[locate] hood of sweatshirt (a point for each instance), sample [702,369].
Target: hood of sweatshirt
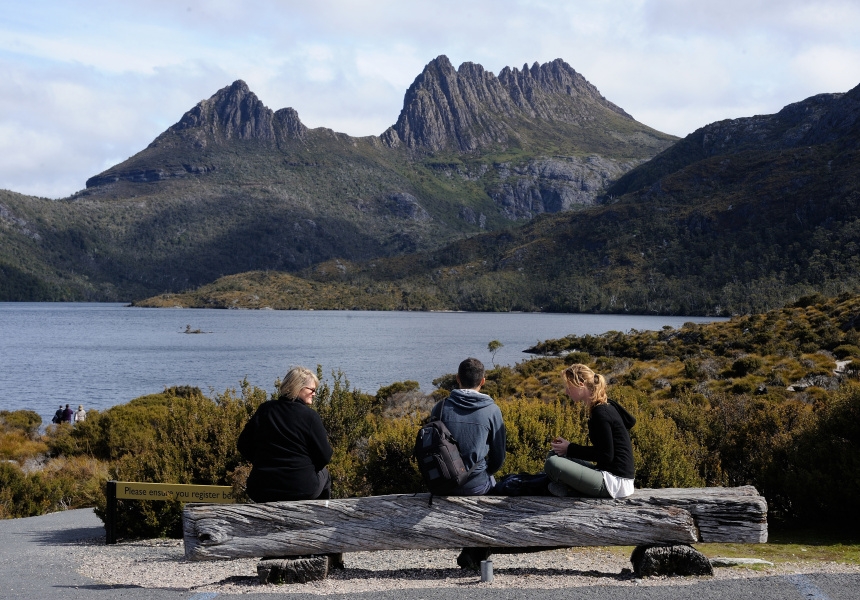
[626,418]
[469,399]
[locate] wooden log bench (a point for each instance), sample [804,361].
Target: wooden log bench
[651,517]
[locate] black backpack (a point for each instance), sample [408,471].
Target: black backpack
[438,456]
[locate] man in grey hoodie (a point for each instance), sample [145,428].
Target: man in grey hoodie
[476,423]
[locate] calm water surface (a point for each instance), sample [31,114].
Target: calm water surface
[100,355]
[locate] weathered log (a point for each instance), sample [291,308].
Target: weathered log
[404,521]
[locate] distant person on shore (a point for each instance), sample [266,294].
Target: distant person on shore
[604,469]
[80,414]
[475,421]
[287,445]
[58,416]
[68,415]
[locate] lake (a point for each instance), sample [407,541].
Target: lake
[100,355]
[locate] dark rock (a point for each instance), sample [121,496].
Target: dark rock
[669,559]
[298,569]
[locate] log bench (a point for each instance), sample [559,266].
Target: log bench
[673,516]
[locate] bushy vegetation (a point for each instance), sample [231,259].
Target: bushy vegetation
[755,400]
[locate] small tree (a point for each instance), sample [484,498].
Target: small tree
[494,347]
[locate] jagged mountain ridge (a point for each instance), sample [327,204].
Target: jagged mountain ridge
[470,108]
[235,186]
[459,111]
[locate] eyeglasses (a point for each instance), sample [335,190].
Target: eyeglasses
[313,390]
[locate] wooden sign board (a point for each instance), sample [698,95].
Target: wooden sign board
[134,490]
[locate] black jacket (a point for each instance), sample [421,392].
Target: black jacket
[287,445]
[611,448]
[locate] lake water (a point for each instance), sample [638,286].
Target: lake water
[100,355]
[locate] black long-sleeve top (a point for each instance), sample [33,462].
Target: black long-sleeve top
[611,448]
[287,445]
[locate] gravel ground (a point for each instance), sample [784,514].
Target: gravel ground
[161,564]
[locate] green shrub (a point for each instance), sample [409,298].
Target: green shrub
[26,421]
[846,351]
[390,468]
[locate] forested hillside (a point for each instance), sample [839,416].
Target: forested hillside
[740,217]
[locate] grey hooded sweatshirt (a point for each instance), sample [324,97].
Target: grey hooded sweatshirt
[476,423]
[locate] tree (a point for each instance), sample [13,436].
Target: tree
[494,347]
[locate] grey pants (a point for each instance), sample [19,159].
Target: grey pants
[582,476]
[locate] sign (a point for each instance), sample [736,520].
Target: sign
[133,490]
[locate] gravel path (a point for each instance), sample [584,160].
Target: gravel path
[161,564]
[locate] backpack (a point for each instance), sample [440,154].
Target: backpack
[438,456]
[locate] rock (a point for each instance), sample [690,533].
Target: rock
[552,185]
[470,108]
[298,569]
[667,559]
[722,561]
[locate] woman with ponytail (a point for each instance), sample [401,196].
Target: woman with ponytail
[605,468]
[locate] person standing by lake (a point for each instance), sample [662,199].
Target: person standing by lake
[80,414]
[287,445]
[604,469]
[58,416]
[68,415]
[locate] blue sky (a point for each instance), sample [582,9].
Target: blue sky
[86,84]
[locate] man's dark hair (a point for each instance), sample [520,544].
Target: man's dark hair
[470,373]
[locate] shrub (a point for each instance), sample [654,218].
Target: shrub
[390,468]
[26,421]
[846,351]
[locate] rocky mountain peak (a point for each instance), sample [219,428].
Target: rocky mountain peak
[233,112]
[469,108]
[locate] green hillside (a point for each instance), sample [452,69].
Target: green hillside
[765,211]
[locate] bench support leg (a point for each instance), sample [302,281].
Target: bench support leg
[669,559]
[297,569]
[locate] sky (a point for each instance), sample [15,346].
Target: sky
[86,84]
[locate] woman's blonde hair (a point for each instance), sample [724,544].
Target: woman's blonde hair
[579,375]
[295,379]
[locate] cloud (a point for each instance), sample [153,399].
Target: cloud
[91,82]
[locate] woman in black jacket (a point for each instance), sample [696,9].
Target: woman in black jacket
[287,445]
[604,469]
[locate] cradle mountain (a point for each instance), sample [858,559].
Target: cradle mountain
[522,191]
[741,216]
[234,186]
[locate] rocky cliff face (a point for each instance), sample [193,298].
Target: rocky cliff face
[470,108]
[551,185]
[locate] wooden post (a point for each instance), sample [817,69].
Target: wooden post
[110,522]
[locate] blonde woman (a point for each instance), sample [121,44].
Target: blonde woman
[287,445]
[604,469]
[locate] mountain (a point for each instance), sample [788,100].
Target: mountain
[234,186]
[739,217]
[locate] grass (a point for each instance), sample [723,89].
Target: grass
[784,545]
[794,545]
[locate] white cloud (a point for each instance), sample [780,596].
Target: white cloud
[90,81]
